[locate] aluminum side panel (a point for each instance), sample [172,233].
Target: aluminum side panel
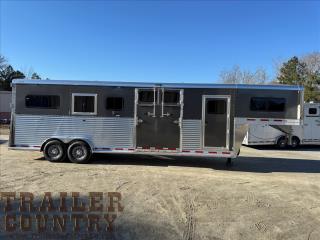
[102,132]
[191,134]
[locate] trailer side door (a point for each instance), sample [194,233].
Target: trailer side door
[158,118]
[216,121]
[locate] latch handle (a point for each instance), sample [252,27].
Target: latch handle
[150,114]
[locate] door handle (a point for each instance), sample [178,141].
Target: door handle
[166,114]
[140,121]
[176,121]
[150,114]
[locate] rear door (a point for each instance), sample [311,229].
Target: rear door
[215,121]
[311,123]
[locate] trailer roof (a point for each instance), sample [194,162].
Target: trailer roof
[151,84]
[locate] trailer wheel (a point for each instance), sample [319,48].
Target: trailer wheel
[54,151]
[295,142]
[282,142]
[79,152]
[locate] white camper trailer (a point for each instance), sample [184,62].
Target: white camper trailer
[308,133]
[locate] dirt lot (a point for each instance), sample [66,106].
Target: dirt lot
[267,194]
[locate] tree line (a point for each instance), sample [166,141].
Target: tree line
[304,71]
[8,73]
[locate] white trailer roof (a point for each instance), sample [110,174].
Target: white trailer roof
[153,84]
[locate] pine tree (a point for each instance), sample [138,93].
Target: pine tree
[295,72]
[292,72]
[7,75]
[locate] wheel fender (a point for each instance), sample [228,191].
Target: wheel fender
[86,140]
[48,140]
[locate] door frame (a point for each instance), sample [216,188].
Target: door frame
[135,117]
[156,89]
[203,120]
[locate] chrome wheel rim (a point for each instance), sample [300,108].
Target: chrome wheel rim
[79,152]
[54,151]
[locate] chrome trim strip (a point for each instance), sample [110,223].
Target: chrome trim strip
[24,148]
[219,153]
[181,116]
[268,121]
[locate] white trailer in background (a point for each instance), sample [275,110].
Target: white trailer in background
[5,106]
[308,133]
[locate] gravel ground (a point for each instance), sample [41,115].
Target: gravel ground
[267,194]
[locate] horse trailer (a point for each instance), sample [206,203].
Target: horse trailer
[73,119]
[306,134]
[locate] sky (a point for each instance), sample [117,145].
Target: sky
[154,41]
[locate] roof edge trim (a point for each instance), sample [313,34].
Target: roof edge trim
[151,84]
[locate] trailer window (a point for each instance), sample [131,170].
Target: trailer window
[312,111]
[146,96]
[216,106]
[267,104]
[42,101]
[84,104]
[171,97]
[115,103]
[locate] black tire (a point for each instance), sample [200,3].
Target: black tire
[55,151]
[79,152]
[282,142]
[295,142]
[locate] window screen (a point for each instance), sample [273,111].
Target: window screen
[312,111]
[216,106]
[84,104]
[146,96]
[42,101]
[267,104]
[172,97]
[115,103]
